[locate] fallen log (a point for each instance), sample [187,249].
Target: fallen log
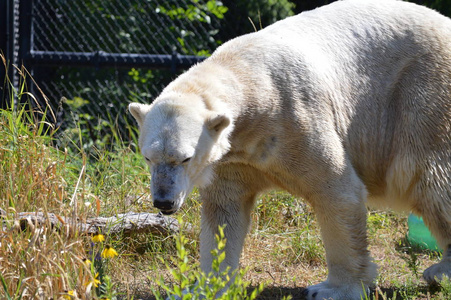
[127,223]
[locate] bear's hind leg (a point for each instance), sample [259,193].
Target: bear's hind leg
[436,272]
[430,198]
[437,217]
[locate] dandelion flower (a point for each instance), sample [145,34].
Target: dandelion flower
[98,238]
[109,252]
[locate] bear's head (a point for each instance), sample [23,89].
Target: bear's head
[180,141]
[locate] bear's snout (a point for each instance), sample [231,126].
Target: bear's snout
[167,188]
[165,205]
[163,200]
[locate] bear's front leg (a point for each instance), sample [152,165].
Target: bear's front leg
[236,223]
[228,201]
[341,212]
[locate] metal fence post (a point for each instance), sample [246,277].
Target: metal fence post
[26,39]
[9,15]
[3,39]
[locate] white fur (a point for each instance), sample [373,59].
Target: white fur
[343,104]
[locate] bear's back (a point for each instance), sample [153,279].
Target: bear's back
[378,72]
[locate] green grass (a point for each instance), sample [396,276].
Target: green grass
[56,172]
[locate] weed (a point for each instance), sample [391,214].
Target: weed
[445,285]
[190,283]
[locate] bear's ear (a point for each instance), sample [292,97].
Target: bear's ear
[138,111]
[217,123]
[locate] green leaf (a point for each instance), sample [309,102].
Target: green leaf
[177,290]
[5,287]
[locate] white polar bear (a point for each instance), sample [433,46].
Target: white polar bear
[344,106]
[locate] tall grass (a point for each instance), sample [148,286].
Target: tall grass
[40,173]
[39,262]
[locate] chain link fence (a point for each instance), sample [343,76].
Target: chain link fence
[126,26]
[80,33]
[93,57]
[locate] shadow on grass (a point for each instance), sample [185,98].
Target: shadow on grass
[383,293]
[275,292]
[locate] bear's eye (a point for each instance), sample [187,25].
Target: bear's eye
[186,160]
[146,159]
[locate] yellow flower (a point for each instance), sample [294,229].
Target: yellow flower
[98,238]
[69,295]
[95,281]
[87,262]
[109,252]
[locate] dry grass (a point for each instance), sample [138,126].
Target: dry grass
[41,173]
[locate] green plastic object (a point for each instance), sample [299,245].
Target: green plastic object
[419,235]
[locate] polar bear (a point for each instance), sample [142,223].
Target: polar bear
[346,106]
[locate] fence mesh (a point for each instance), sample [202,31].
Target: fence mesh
[127,26]
[96,96]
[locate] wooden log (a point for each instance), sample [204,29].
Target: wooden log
[128,223]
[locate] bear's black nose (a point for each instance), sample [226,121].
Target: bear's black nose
[164,205]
